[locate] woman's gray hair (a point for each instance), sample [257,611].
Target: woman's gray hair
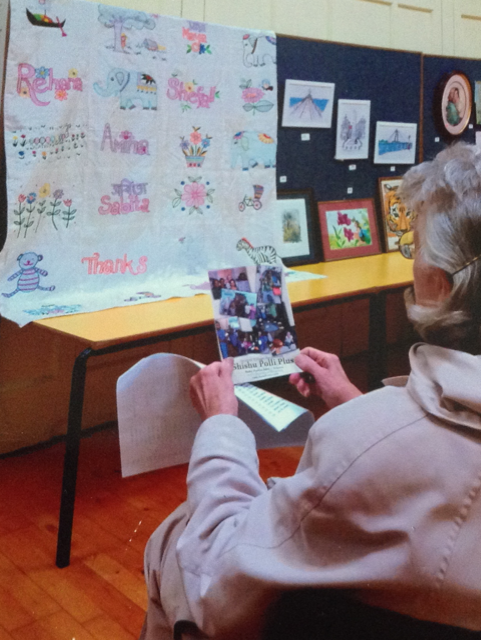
[446,193]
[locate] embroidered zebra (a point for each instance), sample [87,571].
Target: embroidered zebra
[29,279]
[259,255]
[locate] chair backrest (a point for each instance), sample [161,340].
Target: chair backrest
[313,614]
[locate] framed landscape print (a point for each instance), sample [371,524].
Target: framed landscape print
[352,136]
[308,104]
[396,217]
[348,229]
[453,100]
[395,143]
[297,227]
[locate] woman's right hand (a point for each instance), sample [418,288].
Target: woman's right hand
[329,380]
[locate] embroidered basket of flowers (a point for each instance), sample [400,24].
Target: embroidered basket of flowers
[195,148]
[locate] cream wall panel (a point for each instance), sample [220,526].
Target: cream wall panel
[417,26]
[193,9]
[366,22]
[467,28]
[162,7]
[252,14]
[448,27]
[304,18]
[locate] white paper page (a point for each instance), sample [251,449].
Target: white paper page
[279,413]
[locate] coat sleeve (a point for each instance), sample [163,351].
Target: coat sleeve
[336,522]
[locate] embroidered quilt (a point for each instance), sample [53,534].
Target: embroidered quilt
[140,151]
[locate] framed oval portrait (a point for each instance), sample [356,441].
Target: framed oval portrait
[453,103]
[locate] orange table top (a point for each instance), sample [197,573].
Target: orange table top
[345,278]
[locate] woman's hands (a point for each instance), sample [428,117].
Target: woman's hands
[329,380]
[212,390]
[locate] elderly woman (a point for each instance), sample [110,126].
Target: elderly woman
[386,501]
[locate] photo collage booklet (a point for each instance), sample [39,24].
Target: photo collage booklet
[254,322]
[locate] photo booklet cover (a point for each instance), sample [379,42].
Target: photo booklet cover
[254,322]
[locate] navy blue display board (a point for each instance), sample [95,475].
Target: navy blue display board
[390,79]
[435,68]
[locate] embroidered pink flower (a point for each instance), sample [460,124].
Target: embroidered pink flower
[343,218]
[67,203]
[252,94]
[349,234]
[21,198]
[61,94]
[126,135]
[195,137]
[195,46]
[194,194]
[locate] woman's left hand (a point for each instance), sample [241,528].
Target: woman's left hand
[212,390]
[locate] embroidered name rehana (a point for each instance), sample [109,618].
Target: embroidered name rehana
[32,81]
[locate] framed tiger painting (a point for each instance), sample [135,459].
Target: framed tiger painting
[396,217]
[348,229]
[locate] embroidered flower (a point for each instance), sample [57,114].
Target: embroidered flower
[44,191]
[21,198]
[24,92]
[202,48]
[189,86]
[73,73]
[44,154]
[206,142]
[61,94]
[31,198]
[194,194]
[41,72]
[349,234]
[343,218]
[57,194]
[263,137]
[126,135]
[67,203]
[195,137]
[195,46]
[184,145]
[252,94]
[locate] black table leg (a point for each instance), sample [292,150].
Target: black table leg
[67,500]
[377,340]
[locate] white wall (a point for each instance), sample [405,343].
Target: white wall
[440,27]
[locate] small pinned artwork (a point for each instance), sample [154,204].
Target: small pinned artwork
[397,218]
[453,103]
[308,104]
[296,227]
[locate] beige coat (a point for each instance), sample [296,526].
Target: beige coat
[386,501]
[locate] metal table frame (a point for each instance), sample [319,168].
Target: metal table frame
[377,367]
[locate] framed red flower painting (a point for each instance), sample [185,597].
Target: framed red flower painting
[348,229]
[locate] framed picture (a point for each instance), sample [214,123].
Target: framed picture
[477,100]
[352,136]
[395,143]
[348,229]
[453,100]
[308,104]
[297,228]
[396,217]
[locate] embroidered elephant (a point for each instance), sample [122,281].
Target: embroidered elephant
[252,148]
[259,50]
[131,86]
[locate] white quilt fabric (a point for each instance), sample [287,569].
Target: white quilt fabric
[140,153]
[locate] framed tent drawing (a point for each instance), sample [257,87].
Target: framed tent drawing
[352,135]
[308,104]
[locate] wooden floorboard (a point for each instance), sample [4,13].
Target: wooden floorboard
[101,595]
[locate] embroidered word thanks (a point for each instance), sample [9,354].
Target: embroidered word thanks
[129,200]
[124,143]
[120,265]
[31,81]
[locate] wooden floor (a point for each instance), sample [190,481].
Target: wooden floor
[101,595]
